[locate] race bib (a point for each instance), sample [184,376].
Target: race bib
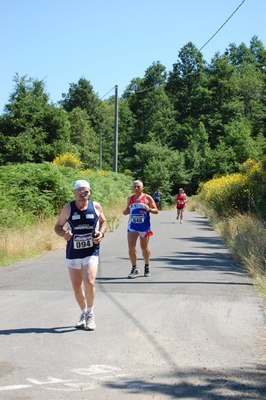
[137,219]
[180,201]
[83,241]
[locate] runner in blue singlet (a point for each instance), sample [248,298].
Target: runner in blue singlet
[139,207]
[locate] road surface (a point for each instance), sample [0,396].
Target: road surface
[194,330]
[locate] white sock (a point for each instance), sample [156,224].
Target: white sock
[89,310]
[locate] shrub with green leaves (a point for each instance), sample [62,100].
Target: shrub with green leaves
[37,191]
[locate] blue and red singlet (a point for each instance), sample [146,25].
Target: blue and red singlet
[139,218]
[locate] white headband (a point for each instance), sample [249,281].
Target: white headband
[81,183]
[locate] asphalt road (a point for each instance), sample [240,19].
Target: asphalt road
[194,330]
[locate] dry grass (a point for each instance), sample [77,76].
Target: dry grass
[30,242]
[245,237]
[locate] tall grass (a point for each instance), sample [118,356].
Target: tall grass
[28,242]
[245,237]
[32,240]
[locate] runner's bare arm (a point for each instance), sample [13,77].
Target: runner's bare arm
[126,210]
[59,226]
[152,206]
[103,223]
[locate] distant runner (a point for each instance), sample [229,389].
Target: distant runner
[139,207]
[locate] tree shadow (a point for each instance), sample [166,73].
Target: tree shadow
[201,384]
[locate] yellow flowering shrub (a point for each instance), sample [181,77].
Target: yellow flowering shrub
[241,192]
[67,160]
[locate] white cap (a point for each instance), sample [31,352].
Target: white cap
[81,183]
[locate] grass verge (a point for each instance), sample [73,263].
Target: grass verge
[31,241]
[245,237]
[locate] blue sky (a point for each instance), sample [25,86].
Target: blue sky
[110,42]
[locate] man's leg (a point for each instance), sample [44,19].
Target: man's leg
[132,241]
[144,241]
[89,276]
[76,280]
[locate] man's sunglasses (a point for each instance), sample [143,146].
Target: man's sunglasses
[83,192]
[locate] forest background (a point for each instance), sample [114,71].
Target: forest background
[197,123]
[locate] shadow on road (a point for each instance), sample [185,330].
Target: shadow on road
[202,384]
[58,329]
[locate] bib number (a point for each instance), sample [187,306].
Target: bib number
[83,241]
[137,219]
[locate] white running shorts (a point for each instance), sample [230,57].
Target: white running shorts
[78,263]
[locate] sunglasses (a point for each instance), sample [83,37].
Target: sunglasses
[82,192]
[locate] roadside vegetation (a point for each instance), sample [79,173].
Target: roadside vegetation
[235,205]
[33,196]
[199,122]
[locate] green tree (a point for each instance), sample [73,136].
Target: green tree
[100,113]
[159,166]
[186,84]
[31,129]
[126,122]
[198,158]
[84,138]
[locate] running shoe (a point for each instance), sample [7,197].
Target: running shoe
[90,324]
[147,272]
[134,272]
[81,321]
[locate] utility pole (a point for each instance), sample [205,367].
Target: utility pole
[101,146]
[116,131]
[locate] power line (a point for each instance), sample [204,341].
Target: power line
[107,92]
[135,91]
[222,25]
[143,90]
[152,87]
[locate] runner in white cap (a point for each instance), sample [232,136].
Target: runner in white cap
[86,225]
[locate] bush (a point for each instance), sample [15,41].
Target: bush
[38,191]
[67,160]
[240,192]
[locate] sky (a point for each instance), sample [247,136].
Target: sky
[111,42]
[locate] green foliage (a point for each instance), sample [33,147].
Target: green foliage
[33,192]
[98,117]
[84,138]
[31,129]
[159,167]
[238,192]
[203,119]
